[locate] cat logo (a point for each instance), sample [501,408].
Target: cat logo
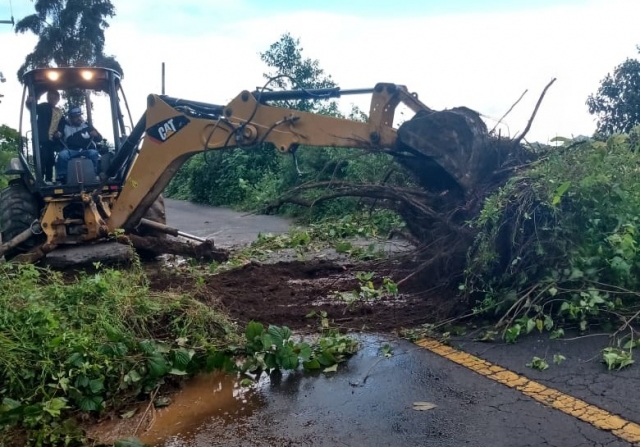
[164,130]
[167,130]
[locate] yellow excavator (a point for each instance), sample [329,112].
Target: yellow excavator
[37,217]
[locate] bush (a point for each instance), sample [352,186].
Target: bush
[559,242]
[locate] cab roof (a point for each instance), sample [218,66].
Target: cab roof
[69,78]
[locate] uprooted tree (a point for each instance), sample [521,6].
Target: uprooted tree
[535,235]
[455,163]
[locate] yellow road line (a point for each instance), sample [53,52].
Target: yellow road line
[599,418]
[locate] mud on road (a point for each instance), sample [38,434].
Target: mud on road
[283,293]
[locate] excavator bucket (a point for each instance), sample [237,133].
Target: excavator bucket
[444,150]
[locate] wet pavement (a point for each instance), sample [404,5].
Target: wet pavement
[226,227]
[582,374]
[370,400]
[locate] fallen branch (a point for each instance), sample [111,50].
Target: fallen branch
[204,251]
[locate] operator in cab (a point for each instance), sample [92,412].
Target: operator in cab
[79,138]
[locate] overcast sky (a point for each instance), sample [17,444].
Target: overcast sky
[480,54]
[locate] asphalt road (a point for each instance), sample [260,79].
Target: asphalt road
[370,400]
[224,226]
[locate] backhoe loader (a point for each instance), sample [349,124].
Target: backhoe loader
[37,217]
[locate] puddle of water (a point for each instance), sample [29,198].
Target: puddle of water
[204,398]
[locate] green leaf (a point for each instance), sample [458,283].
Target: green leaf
[287,359]
[90,403]
[82,381]
[132,377]
[277,336]
[177,372]
[557,197]
[254,330]
[305,351]
[55,405]
[9,404]
[311,365]
[246,382]
[267,342]
[157,365]
[76,359]
[576,274]
[113,335]
[96,386]
[181,358]
[561,139]
[271,361]
[512,333]
[531,324]
[326,359]
[147,347]
[558,358]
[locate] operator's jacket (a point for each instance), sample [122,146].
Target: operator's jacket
[78,137]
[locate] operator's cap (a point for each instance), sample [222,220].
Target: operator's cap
[75,111]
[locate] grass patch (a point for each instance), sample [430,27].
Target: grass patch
[92,344]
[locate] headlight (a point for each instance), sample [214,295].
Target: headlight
[86,74]
[53,75]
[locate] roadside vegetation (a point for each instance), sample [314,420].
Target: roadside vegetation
[94,343]
[558,244]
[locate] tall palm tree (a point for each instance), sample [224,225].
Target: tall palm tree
[70,33]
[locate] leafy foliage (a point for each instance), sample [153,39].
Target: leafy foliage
[70,33]
[9,147]
[617,102]
[558,244]
[272,348]
[291,71]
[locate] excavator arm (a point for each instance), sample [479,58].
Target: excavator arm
[177,129]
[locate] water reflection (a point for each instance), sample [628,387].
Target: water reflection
[213,396]
[208,397]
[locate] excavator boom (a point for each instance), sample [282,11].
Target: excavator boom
[173,134]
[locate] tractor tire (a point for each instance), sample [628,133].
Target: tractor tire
[18,209]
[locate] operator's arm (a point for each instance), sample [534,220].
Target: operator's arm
[95,135]
[60,131]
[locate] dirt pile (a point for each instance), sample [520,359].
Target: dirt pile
[285,292]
